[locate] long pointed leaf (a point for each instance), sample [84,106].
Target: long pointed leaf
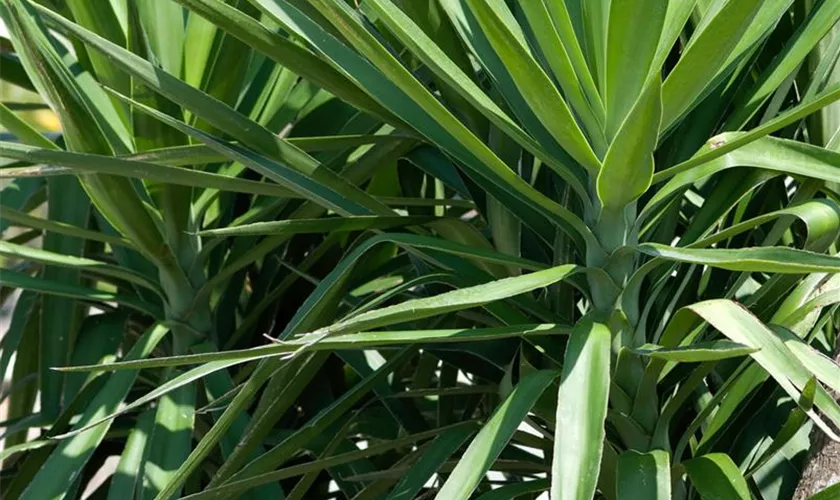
[581,411]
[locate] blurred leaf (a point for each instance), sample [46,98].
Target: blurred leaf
[644,475]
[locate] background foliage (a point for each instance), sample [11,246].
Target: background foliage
[498,248]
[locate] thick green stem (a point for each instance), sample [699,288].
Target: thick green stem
[617,233]
[191,323]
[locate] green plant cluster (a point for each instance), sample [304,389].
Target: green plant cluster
[396,249]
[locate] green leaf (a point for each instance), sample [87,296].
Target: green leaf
[432,55]
[99,338]
[755,259]
[66,202]
[297,58]
[704,57]
[772,154]
[829,493]
[739,325]
[83,163]
[70,456]
[14,72]
[821,217]
[675,18]
[171,440]
[628,165]
[595,26]
[24,281]
[581,411]
[629,58]
[440,450]
[730,141]
[89,124]
[23,130]
[30,445]
[163,24]
[644,476]
[201,43]
[304,226]
[362,340]
[564,15]
[180,156]
[424,112]
[74,97]
[21,403]
[494,436]
[819,22]
[102,19]
[205,106]
[283,162]
[562,53]
[794,423]
[824,368]
[451,301]
[78,263]
[128,475]
[277,175]
[285,384]
[717,477]
[515,490]
[697,352]
[240,437]
[169,386]
[477,43]
[325,418]
[20,316]
[20,219]
[536,87]
[236,487]
[412,243]
[300,173]
[20,194]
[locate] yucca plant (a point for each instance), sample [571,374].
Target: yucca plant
[500,249]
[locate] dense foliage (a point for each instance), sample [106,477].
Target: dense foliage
[419,248]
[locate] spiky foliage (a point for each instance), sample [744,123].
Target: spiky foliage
[510,247]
